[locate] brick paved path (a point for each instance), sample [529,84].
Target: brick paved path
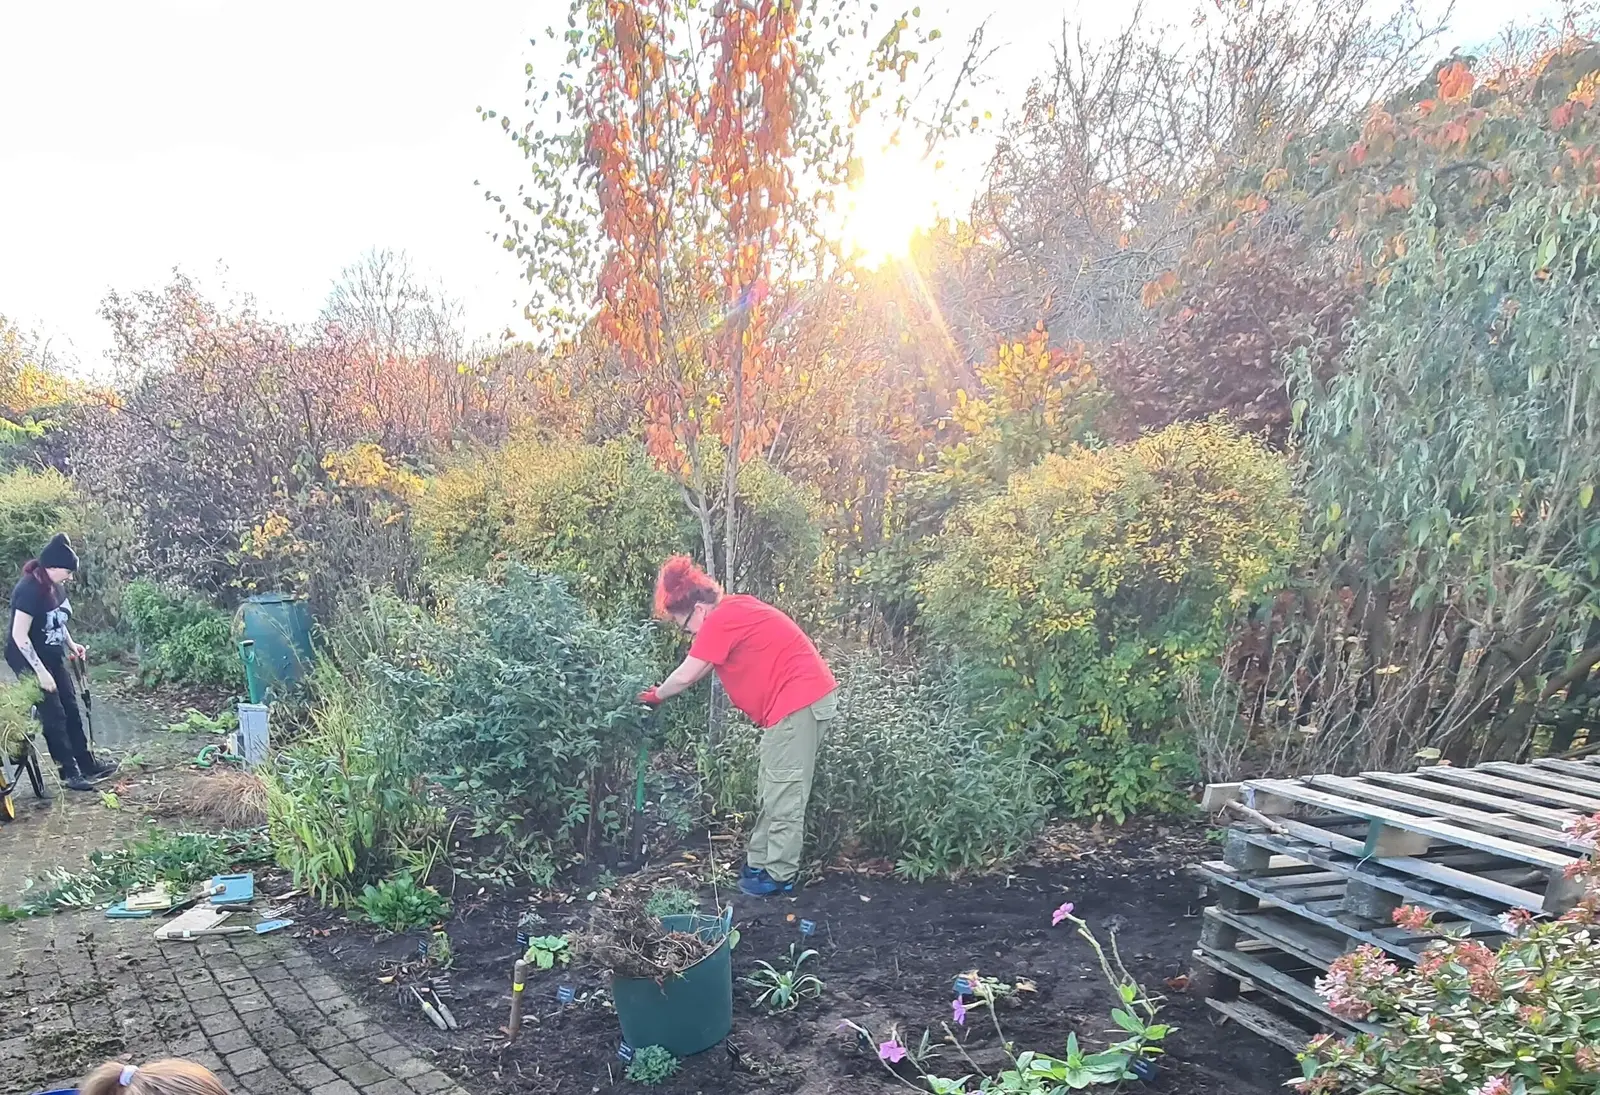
[77,988]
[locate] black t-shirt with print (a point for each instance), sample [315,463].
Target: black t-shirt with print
[48,633]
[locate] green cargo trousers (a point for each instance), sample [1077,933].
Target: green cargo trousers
[788,764]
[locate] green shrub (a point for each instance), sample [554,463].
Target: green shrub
[902,773]
[526,705]
[346,803]
[605,517]
[1082,597]
[179,638]
[601,516]
[34,506]
[400,905]
[779,535]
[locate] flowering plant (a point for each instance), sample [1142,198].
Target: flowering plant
[1469,1019]
[1038,1073]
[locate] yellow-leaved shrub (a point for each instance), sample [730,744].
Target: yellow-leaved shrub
[1079,598]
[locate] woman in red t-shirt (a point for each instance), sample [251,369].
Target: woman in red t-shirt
[773,673]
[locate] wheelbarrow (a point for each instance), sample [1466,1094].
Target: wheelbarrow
[23,761]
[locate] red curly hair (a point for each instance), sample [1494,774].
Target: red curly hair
[681,585]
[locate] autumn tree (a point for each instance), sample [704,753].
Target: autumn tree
[675,169]
[239,453]
[1448,460]
[35,395]
[421,382]
[1088,195]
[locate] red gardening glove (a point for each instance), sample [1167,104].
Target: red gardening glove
[650,698]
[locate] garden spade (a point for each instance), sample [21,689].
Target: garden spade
[81,679]
[636,837]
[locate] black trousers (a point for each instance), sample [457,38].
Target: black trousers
[62,719]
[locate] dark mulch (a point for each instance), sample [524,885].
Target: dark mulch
[889,952]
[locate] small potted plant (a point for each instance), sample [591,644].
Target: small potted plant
[671,976]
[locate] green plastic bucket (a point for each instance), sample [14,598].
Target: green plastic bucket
[279,626]
[687,1014]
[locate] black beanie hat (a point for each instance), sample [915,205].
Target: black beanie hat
[58,553]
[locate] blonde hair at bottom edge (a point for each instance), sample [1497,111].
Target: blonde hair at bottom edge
[170,1076]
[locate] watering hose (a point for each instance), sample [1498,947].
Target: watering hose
[211,753]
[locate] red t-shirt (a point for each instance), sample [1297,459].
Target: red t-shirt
[767,664]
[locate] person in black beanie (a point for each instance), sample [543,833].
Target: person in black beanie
[40,644]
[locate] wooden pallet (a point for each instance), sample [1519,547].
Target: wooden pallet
[1328,858]
[1515,814]
[1274,930]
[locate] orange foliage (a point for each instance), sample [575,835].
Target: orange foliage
[1154,291]
[1455,82]
[747,121]
[694,336]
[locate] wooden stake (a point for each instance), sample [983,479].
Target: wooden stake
[515,1023]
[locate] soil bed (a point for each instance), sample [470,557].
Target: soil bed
[888,954]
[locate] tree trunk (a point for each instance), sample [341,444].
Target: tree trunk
[730,488]
[698,501]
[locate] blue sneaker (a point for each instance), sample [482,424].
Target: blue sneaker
[762,884]
[748,872]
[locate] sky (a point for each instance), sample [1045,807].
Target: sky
[261,148]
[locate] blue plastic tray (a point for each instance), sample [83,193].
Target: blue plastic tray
[237,889]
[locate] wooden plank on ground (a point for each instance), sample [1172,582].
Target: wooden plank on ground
[1548,816]
[1437,830]
[1259,1021]
[1485,781]
[1526,831]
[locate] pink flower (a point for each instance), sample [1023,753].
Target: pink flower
[1352,977]
[1500,1085]
[891,1051]
[1061,914]
[1413,918]
[1516,921]
[959,1010]
[1585,829]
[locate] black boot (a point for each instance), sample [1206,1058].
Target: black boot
[74,780]
[97,770]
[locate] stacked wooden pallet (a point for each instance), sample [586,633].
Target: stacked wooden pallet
[1321,863]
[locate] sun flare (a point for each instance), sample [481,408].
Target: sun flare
[896,194]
